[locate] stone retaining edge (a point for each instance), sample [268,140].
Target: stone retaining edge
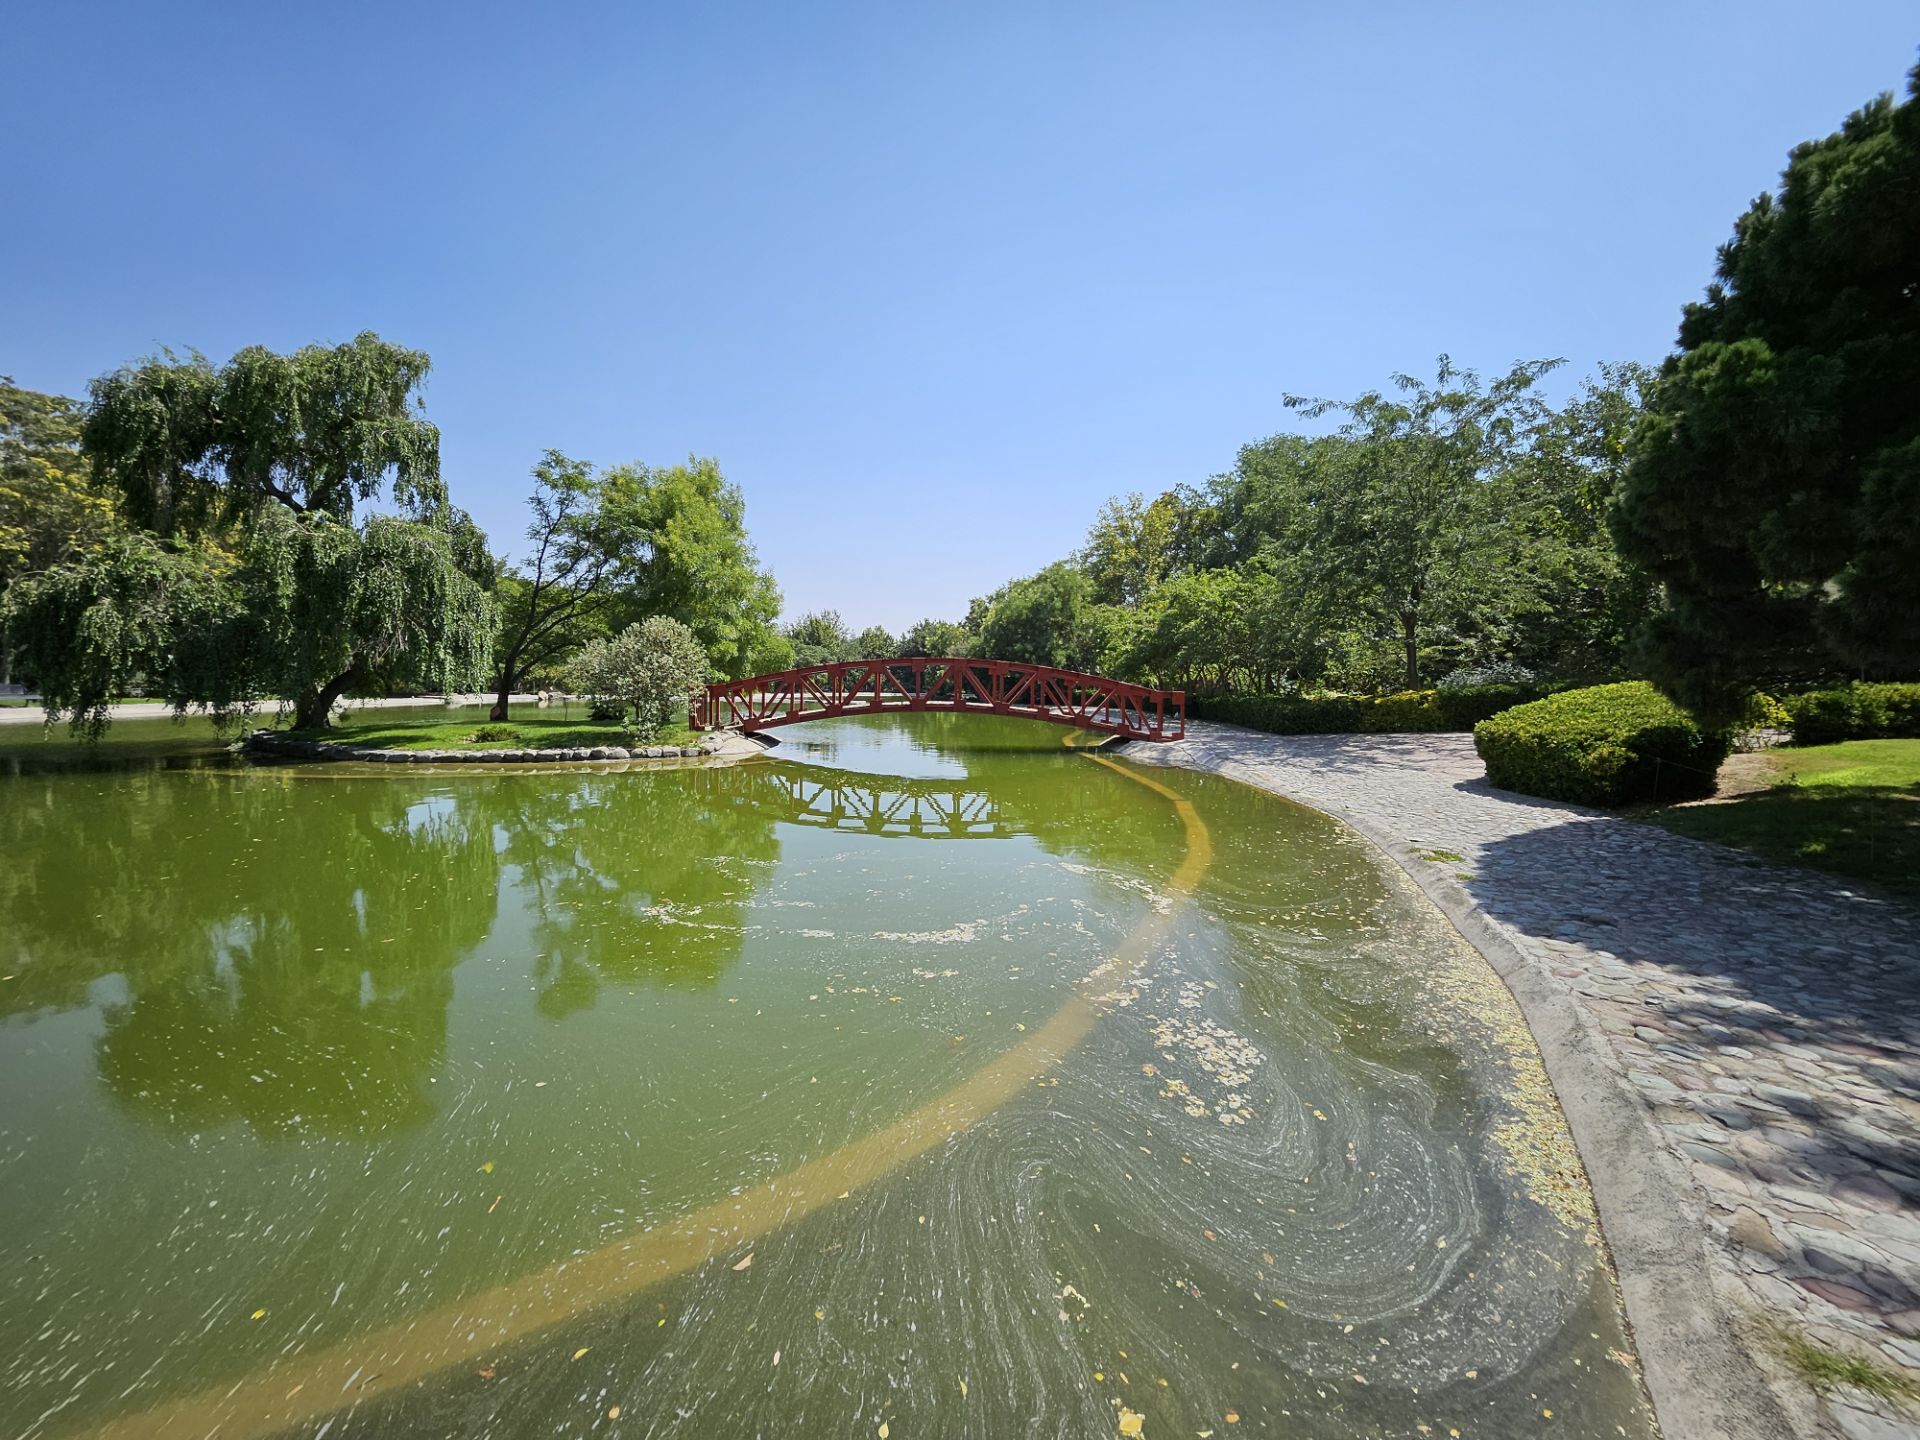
[1704,1382]
[282,747]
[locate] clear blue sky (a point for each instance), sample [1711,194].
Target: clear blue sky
[931,281]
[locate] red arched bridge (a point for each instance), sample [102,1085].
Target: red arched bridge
[937,682]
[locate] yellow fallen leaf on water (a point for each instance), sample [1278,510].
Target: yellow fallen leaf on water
[258,1315]
[885,1430]
[1132,1422]
[819,1314]
[746,1262]
[776,1359]
[581,1351]
[487,1168]
[613,1412]
[663,1320]
[1232,1417]
[963,1389]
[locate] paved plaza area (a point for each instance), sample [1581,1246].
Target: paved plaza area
[1737,1046]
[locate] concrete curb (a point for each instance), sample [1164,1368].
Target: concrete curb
[1703,1381]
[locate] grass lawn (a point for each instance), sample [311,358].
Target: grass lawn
[372,731]
[1852,808]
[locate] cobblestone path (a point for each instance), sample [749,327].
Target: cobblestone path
[1763,1021]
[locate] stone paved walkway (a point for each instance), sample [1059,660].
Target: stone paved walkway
[1765,1020]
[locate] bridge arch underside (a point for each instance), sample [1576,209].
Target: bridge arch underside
[916,683]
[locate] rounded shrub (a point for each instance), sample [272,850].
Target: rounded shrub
[1408,711]
[1607,745]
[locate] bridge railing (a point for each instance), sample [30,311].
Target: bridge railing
[944,682]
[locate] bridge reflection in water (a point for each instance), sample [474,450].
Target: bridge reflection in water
[938,809]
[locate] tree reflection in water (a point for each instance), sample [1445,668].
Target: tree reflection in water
[283,950]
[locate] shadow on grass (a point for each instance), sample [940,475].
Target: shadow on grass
[1866,833]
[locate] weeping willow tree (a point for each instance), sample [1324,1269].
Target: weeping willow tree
[136,614]
[250,577]
[330,607]
[193,448]
[311,609]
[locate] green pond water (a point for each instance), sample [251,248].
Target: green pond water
[924,1074]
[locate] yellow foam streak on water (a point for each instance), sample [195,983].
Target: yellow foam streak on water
[304,1388]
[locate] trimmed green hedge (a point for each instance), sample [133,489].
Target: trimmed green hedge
[1410,711]
[1856,712]
[1608,745]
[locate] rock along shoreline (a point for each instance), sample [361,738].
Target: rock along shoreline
[274,745]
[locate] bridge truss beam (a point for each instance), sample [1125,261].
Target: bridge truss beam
[943,683]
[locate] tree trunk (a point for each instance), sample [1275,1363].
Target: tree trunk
[509,673]
[1410,639]
[314,708]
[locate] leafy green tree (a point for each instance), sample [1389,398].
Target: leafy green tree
[1267,498]
[938,637]
[1233,628]
[191,448]
[693,560]
[771,652]
[1130,548]
[1050,618]
[1775,492]
[1571,599]
[329,607]
[581,552]
[875,642]
[271,454]
[1410,517]
[650,667]
[50,511]
[821,637]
